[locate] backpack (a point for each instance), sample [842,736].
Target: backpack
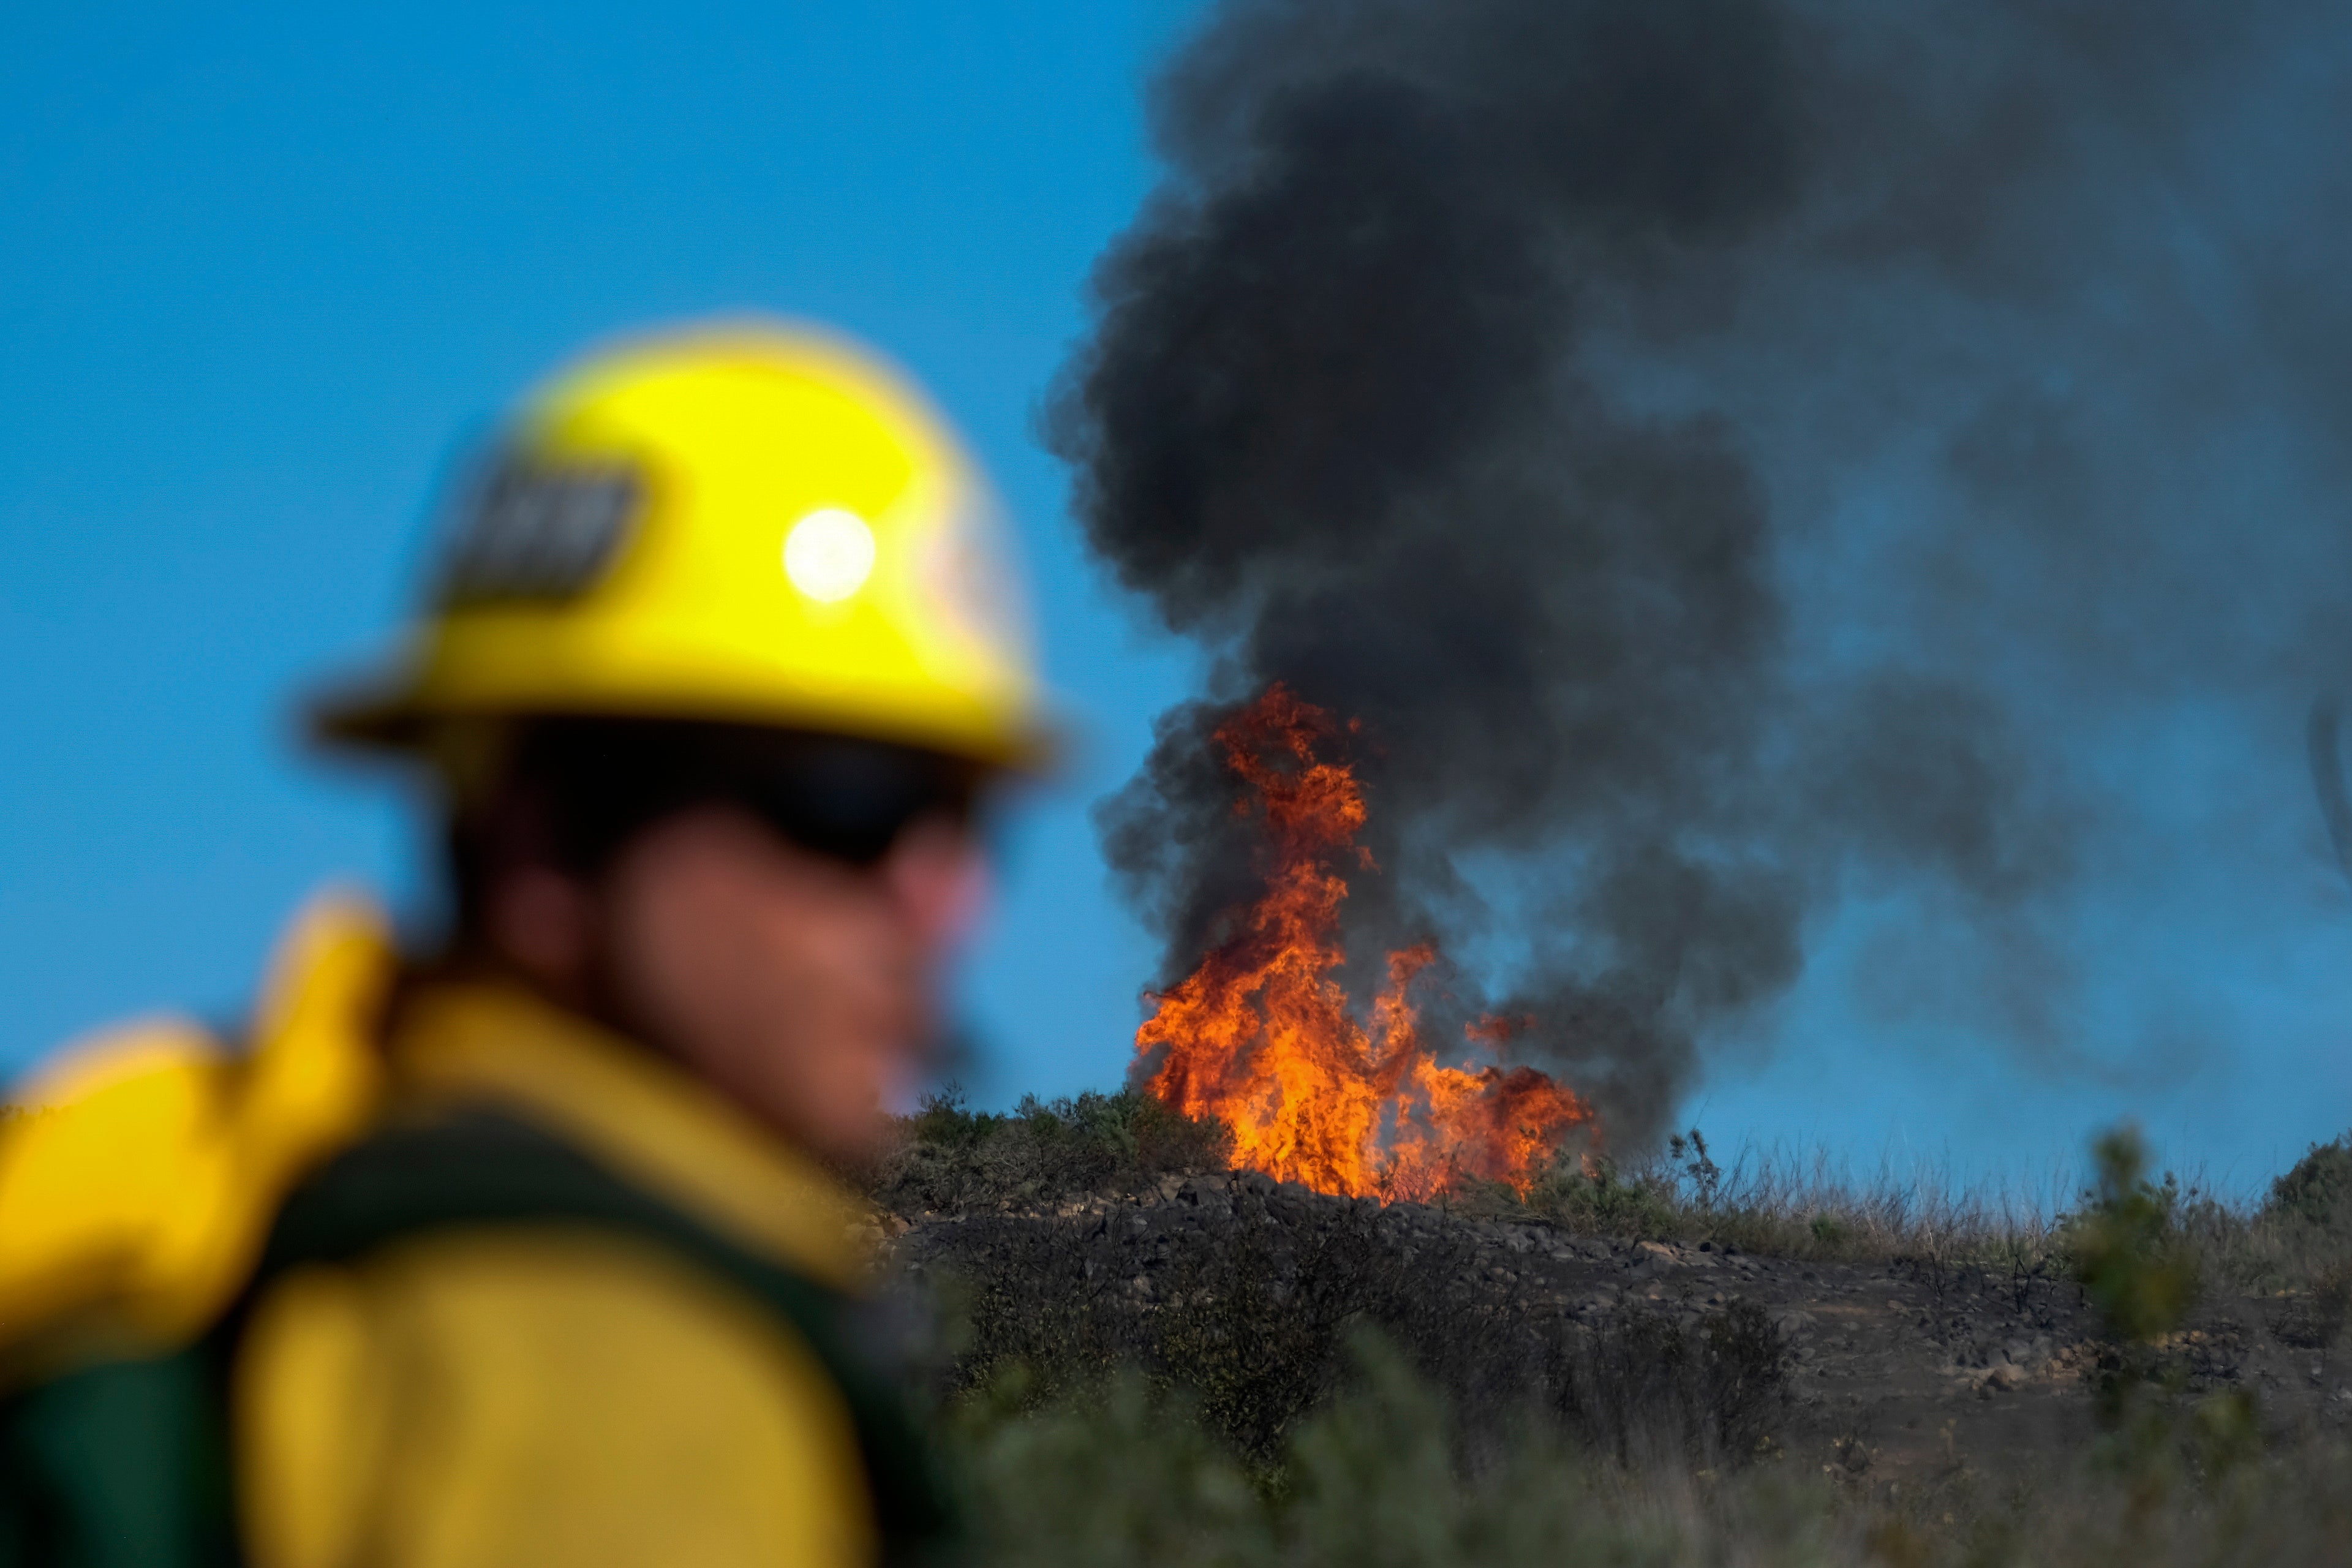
[139,1177]
[166,1183]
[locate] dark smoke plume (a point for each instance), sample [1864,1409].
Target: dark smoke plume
[1723,451]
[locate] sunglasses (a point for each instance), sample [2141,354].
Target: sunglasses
[853,801]
[849,800]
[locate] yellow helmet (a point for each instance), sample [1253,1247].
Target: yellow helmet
[745,523]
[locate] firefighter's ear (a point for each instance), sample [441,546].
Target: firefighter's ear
[544,923]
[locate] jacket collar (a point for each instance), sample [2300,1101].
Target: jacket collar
[640,1114]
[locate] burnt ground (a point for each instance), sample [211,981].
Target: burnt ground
[1890,1373]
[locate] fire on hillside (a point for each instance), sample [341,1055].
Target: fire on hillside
[1261,1034]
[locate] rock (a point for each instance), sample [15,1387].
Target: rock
[1207,1195]
[2001,1376]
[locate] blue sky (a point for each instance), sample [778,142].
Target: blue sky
[262,270]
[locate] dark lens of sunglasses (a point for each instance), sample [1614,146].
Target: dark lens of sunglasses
[845,798]
[854,801]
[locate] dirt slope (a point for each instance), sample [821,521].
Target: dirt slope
[1894,1373]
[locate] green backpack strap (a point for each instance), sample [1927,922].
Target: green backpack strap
[119,1465]
[477,1168]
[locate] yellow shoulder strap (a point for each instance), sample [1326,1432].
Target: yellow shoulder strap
[141,1175]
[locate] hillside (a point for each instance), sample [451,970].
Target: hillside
[1649,1334]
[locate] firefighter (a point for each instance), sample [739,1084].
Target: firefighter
[528,1251]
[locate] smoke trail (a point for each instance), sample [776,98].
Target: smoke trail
[1709,444]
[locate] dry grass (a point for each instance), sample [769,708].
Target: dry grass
[1785,1203]
[2295,1237]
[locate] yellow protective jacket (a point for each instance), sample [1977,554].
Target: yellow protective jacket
[498,1289]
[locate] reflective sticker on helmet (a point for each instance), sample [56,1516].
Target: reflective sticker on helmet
[829,553]
[533,533]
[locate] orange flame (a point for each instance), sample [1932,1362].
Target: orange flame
[1260,1035]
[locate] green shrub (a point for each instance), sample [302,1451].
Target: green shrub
[2317,1190]
[949,1159]
[1588,1193]
[945,1121]
[1115,1474]
[2126,1246]
[1125,1471]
